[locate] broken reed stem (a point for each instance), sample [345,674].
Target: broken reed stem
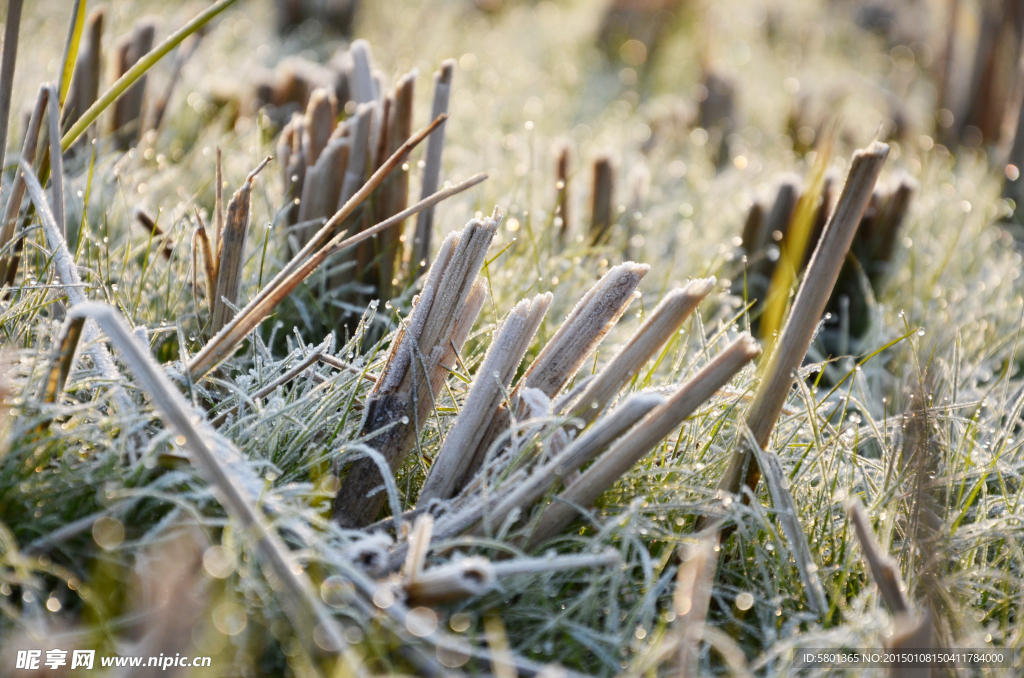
[584,328]
[128,109]
[419,545]
[67,273]
[139,70]
[635,445]
[209,262]
[56,158]
[431,169]
[788,351]
[394,192]
[884,569]
[601,200]
[218,205]
[674,308]
[523,495]
[503,358]
[299,599]
[302,264]
[8,57]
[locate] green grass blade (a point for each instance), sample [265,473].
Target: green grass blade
[140,69]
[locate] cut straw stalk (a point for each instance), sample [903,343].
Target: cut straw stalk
[127,114]
[789,350]
[394,192]
[298,596]
[562,186]
[601,200]
[417,365]
[309,257]
[664,321]
[521,496]
[139,70]
[432,168]
[584,328]
[67,273]
[320,116]
[231,248]
[503,357]
[223,344]
[643,438]
[454,581]
[476,575]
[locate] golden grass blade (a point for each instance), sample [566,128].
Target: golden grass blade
[71,45]
[789,350]
[85,79]
[798,236]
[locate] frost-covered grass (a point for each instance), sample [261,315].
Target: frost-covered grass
[922,426]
